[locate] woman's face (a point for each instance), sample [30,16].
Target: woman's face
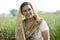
[27,11]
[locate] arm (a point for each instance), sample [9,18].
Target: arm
[45,35]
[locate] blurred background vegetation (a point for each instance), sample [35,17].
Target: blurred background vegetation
[8,24]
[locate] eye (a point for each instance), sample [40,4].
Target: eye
[29,9]
[24,10]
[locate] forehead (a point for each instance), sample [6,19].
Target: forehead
[26,7]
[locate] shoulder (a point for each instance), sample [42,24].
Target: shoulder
[43,25]
[43,22]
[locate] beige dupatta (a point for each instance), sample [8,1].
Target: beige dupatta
[19,27]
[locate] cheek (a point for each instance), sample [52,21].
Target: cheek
[24,14]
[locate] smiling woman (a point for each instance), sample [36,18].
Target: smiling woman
[29,25]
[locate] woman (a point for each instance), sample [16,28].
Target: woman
[29,25]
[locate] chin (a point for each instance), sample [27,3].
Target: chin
[30,17]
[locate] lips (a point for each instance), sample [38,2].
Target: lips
[28,14]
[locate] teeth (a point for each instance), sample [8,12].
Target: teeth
[28,14]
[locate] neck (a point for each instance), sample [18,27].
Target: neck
[30,19]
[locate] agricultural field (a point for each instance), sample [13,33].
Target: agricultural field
[8,24]
[7,27]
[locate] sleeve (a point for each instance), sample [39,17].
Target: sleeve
[43,26]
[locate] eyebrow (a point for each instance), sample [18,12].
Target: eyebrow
[28,8]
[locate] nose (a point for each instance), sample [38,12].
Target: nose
[28,11]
